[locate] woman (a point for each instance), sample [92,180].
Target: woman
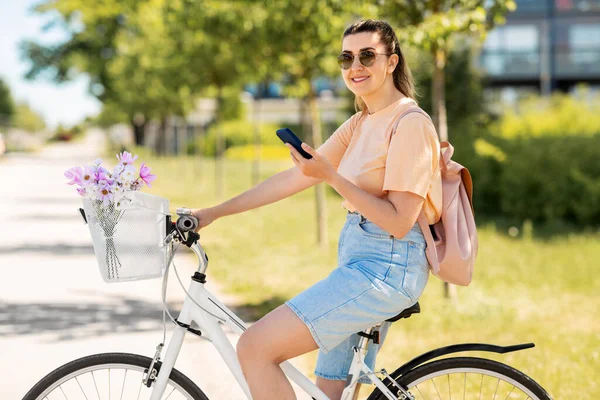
[385,180]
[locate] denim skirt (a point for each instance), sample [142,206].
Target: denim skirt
[377,277]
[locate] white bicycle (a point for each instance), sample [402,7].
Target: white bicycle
[131,376]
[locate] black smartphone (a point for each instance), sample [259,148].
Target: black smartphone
[287,136]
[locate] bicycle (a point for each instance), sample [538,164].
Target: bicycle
[421,378]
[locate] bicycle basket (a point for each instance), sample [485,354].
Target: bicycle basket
[128,238]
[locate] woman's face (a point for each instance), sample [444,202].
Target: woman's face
[361,80]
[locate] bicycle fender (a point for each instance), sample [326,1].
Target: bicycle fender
[457,348]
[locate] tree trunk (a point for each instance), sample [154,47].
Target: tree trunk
[256,123]
[439,93]
[317,140]
[220,151]
[161,138]
[439,119]
[139,130]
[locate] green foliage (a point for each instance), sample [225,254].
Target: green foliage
[541,162]
[552,178]
[237,133]
[435,24]
[267,152]
[7,107]
[27,119]
[558,115]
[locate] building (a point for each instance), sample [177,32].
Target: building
[545,45]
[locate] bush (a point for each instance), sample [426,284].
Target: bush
[236,133]
[550,178]
[557,115]
[267,152]
[540,162]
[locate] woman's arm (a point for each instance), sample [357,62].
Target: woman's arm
[277,187]
[396,214]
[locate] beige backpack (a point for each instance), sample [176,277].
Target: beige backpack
[452,241]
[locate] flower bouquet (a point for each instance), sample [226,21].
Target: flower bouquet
[123,222]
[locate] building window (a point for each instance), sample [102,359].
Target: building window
[512,51]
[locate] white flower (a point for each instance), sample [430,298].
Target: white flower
[129,174]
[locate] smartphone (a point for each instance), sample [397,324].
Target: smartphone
[287,136]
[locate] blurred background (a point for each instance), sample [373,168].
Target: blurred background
[197,89]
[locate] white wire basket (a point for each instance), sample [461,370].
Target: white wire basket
[129,238]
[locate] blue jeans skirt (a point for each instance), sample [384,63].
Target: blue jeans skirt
[377,277]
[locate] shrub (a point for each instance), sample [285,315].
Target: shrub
[540,162]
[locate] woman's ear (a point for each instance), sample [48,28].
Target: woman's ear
[392,63]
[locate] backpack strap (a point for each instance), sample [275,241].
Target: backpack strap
[422,219]
[405,113]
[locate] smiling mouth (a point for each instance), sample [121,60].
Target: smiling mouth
[360,79]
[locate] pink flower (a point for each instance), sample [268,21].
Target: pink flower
[75,174]
[105,193]
[145,174]
[82,192]
[88,176]
[126,158]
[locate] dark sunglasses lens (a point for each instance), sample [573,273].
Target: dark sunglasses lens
[345,61]
[367,58]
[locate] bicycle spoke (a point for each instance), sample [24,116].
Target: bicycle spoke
[109,384]
[96,385]
[81,388]
[436,389]
[140,389]
[419,390]
[170,394]
[465,386]
[123,388]
[496,392]
[481,387]
[449,394]
[63,392]
[509,393]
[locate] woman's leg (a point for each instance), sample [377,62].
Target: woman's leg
[334,388]
[275,338]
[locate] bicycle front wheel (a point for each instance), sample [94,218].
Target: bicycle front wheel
[109,376]
[466,378]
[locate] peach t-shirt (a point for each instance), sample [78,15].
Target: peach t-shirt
[361,151]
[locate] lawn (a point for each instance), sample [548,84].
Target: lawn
[525,289]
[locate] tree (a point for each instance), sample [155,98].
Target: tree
[305,36]
[433,25]
[27,119]
[121,46]
[221,44]
[7,107]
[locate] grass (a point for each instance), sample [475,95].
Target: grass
[526,289]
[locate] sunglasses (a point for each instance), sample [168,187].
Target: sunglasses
[366,58]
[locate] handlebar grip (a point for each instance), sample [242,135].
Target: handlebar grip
[187,223]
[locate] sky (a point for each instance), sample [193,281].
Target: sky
[67,103]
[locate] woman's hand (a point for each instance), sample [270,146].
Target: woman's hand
[317,167]
[205,217]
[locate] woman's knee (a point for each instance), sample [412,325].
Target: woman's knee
[248,345]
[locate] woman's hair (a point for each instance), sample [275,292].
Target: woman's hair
[402,76]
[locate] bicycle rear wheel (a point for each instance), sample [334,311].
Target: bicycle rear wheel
[109,376]
[466,378]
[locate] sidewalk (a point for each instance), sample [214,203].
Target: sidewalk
[54,306]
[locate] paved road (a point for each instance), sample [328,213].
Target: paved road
[54,306]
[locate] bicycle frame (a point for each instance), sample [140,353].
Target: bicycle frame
[211,329]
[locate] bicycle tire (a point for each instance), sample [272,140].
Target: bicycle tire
[102,362]
[463,365]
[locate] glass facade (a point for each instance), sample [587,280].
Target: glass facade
[558,39]
[513,50]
